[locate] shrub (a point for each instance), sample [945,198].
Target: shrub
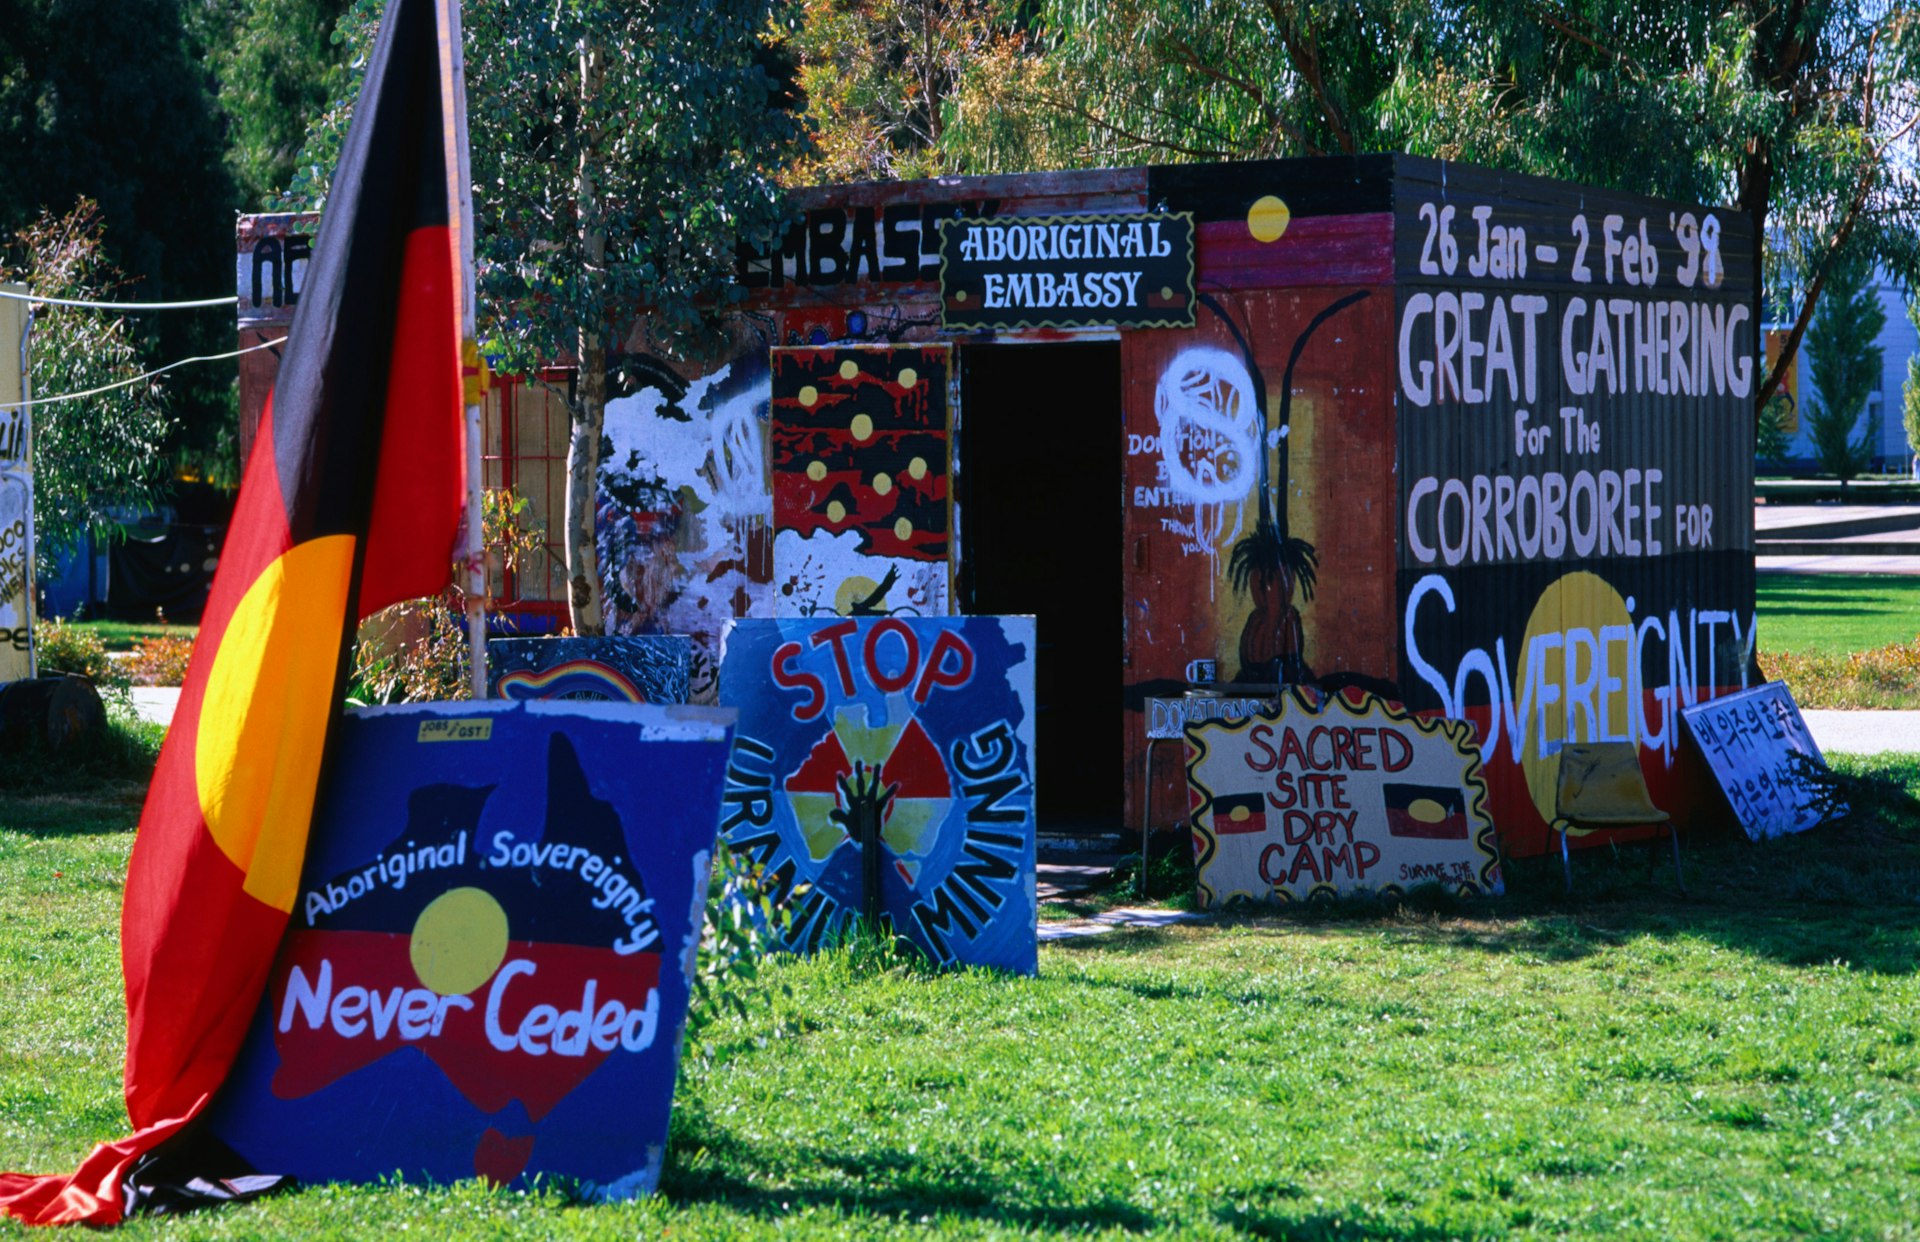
[159,661]
[63,647]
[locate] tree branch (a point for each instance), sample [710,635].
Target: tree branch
[1305,55]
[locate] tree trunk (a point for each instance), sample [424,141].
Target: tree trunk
[589,409]
[583,469]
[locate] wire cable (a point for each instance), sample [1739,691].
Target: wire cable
[94,392]
[121,306]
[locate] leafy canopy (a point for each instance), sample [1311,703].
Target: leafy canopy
[105,99]
[1800,112]
[683,138]
[96,461]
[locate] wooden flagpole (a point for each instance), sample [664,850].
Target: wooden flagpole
[453,109]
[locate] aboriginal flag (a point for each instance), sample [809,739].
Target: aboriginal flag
[351,501]
[1429,812]
[1239,813]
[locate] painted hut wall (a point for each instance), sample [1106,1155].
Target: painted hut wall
[1202,408]
[1639,606]
[1329,258]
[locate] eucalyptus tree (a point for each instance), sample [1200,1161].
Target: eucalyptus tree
[1801,113]
[622,150]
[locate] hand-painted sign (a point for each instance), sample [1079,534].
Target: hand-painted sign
[1761,754]
[16,500]
[1169,717]
[861,510]
[501,905]
[917,731]
[1351,797]
[1127,271]
[651,668]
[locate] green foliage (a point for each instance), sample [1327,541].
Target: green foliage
[1771,440]
[1845,367]
[416,650]
[621,152]
[119,758]
[274,60]
[104,99]
[67,647]
[1910,391]
[160,660]
[741,929]
[880,79]
[98,460]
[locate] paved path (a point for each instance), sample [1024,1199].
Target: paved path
[1864,733]
[1113,920]
[156,703]
[1854,526]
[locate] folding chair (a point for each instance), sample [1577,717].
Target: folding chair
[1602,787]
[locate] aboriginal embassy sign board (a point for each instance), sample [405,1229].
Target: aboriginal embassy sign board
[1123,271]
[942,707]
[487,968]
[1351,797]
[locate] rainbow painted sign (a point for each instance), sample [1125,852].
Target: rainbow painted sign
[487,970]
[917,730]
[652,668]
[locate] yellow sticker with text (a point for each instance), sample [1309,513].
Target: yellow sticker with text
[478,729]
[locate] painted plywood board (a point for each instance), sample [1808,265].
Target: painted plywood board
[16,500]
[487,968]
[861,507]
[1764,758]
[649,668]
[1352,795]
[943,710]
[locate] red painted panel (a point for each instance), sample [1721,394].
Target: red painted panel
[1316,250]
[1202,409]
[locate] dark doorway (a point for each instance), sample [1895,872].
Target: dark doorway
[1040,533]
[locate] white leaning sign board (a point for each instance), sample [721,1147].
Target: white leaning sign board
[16,499]
[1759,749]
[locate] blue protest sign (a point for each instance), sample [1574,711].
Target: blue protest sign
[487,968]
[915,733]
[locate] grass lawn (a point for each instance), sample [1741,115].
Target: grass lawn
[1842,640]
[1741,1063]
[1836,612]
[121,635]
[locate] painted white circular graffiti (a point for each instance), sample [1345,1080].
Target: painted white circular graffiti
[1208,426]
[739,477]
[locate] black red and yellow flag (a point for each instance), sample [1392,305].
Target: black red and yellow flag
[351,501]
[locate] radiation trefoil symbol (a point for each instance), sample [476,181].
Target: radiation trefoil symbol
[839,766]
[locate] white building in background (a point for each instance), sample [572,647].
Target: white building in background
[1898,342]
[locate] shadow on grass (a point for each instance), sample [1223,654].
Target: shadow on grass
[883,1182]
[93,786]
[889,1183]
[1845,894]
[1322,1226]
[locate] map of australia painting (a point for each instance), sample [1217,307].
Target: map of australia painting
[487,969]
